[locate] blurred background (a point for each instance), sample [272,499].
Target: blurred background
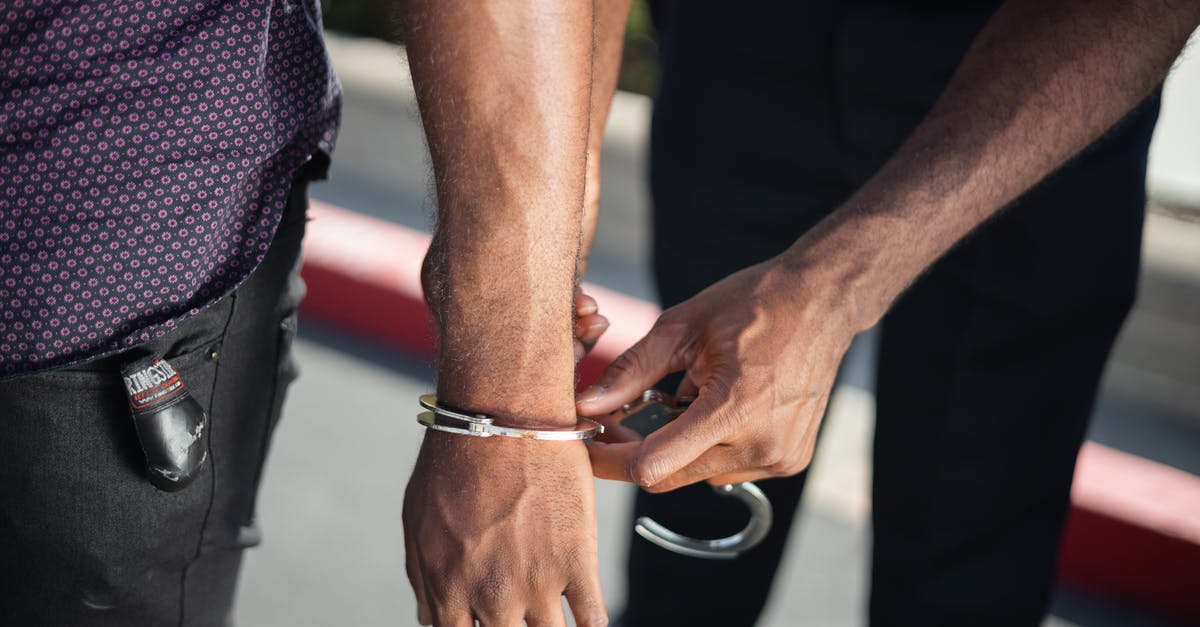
[330,505]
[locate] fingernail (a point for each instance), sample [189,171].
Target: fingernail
[592,393]
[579,352]
[587,309]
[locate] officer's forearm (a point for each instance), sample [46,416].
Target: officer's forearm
[1041,82]
[503,89]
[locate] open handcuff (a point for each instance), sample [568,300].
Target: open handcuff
[647,414]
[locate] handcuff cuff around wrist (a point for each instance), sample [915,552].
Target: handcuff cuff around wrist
[442,418]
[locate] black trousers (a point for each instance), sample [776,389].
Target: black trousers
[85,539]
[988,368]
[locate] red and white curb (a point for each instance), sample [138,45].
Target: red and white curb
[1133,533]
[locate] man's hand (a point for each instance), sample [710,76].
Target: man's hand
[761,349]
[1040,82]
[497,530]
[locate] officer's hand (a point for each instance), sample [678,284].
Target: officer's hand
[499,529]
[761,349]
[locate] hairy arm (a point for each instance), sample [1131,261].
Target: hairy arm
[1040,82]
[498,529]
[504,93]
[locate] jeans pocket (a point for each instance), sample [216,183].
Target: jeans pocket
[78,517]
[286,371]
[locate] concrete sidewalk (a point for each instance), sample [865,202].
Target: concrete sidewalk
[331,500]
[330,506]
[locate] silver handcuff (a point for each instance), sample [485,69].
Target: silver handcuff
[442,418]
[648,413]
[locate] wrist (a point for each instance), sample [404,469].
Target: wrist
[510,357]
[540,409]
[847,261]
[501,453]
[516,389]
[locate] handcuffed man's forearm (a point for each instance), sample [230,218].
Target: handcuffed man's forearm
[504,93]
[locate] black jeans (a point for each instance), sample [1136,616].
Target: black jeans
[765,121]
[85,539]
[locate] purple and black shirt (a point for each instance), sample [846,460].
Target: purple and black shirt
[146,153]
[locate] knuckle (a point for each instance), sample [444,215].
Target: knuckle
[797,465]
[645,472]
[576,559]
[492,592]
[805,458]
[790,471]
[588,609]
[626,363]
[595,618]
[642,479]
[730,420]
[660,487]
[670,318]
[670,327]
[768,453]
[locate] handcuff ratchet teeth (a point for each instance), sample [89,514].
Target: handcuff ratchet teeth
[648,413]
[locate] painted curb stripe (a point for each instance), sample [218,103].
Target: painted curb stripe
[1133,532]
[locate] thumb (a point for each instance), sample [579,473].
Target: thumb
[654,356]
